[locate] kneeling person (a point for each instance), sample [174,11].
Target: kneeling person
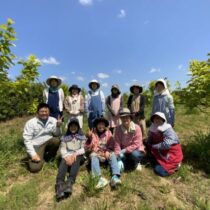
[38,137]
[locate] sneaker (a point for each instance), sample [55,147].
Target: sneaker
[102,183]
[139,167]
[120,165]
[115,181]
[59,190]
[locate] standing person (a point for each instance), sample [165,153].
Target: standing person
[72,151]
[54,96]
[74,104]
[129,147]
[136,104]
[163,145]
[163,101]
[38,137]
[114,104]
[94,102]
[100,144]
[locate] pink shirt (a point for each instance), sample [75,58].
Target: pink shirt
[130,140]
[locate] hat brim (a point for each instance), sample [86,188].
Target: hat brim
[72,88]
[98,120]
[98,85]
[116,89]
[155,115]
[125,114]
[139,87]
[58,80]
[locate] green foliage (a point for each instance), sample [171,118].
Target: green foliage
[125,99]
[197,151]
[7,36]
[197,93]
[21,96]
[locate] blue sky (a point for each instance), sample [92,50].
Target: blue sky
[114,41]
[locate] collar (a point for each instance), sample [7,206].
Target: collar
[131,129]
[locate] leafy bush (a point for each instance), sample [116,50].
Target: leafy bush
[197,151]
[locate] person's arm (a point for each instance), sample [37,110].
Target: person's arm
[87,102]
[45,95]
[169,138]
[129,102]
[108,105]
[57,126]
[102,102]
[121,103]
[142,105]
[171,109]
[67,105]
[62,95]
[82,104]
[28,136]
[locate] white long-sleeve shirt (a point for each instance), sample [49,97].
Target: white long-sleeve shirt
[36,133]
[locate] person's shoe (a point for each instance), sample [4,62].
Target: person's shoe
[59,190]
[115,181]
[120,165]
[139,167]
[68,189]
[102,183]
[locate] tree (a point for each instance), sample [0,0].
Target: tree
[7,36]
[197,93]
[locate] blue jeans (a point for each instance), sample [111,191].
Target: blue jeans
[159,170]
[132,159]
[95,165]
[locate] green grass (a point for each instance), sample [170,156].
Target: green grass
[187,189]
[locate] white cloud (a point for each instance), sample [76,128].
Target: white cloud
[50,60]
[102,75]
[134,80]
[63,78]
[122,14]
[189,73]
[128,84]
[73,72]
[119,71]
[80,78]
[154,70]
[180,66]
[86,2]
[105,84]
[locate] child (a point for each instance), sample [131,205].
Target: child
[101,147]
[163,101]
[54,96]
[164,146]
[136,103]
[114,104]
[129,147]
[94,102]
[74,104]
[72,151]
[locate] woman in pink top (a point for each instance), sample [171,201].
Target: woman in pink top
[128,147]
[114,104]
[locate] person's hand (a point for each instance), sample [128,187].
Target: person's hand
[122,153]
[107,155]
[70,159]
[59,121]
[36,158]
[90,132]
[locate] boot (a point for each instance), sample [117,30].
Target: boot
[68,189]
[59,189]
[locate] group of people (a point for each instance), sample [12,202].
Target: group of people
[120,140]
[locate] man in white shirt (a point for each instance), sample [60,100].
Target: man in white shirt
[38,137]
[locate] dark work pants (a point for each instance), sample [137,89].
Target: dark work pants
[73,170]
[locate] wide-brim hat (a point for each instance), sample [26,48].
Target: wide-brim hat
[159,114]
[74,87]
[74,121]
[55,78]
[94,81]
[115,86]
[125,112]
[138,86]
[101,119]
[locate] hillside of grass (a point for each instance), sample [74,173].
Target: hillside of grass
[188,189]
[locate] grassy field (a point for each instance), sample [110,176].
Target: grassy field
[187,189]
